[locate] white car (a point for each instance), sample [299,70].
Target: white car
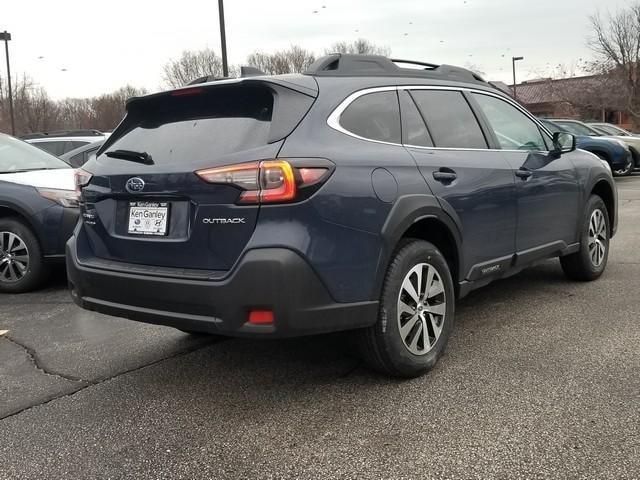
[59,143]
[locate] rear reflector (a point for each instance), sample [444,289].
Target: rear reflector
[261,317]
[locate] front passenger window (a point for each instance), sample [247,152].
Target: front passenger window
[514,130]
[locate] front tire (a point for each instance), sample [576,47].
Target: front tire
[416,313]
[590,261]
[625,172]
[22,266]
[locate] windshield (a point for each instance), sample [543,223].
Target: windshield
[173,129]
[613,130]
[19,156]
[553,128]
[578,129]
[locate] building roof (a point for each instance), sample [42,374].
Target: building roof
[548,90]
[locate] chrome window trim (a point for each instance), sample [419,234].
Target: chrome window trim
[333,120]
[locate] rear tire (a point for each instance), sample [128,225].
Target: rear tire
[590,261]
[416,313]
[22,266]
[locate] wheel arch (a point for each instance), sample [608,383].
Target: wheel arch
[9,210]
[604,190]
[604,154]
[421,217]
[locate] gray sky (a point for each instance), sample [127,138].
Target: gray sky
[104,45]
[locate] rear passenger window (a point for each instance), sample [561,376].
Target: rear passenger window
[77,160]
[449,119]
[375,116]
[55,148]
[414,131]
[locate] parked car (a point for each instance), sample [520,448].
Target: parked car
[580,128]
[79,156]
[362,195]
[611,129]
[38,211]
[60,142]
[623,135]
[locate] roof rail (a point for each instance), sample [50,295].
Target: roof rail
[338,64]
[63,133]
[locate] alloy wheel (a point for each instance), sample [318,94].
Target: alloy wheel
[14,257]
[421,309]
[597,237]
[623,172]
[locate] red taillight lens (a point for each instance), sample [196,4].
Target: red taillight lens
[82,179]
[243,175]
[187,91]
[277,182]
[311,176]
[268,181]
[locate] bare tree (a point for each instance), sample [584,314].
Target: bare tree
[108,109]
[616,43]
[192,65]
[359,46]
[293,60]
[35,111]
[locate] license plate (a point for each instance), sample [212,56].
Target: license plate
[148,218]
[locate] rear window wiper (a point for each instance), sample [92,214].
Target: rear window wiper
[130,155]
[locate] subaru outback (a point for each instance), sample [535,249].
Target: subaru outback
[367,194]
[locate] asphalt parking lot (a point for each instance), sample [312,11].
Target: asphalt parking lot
[540,380]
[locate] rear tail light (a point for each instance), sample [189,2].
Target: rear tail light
[187,91]
[268,181]
[82,179]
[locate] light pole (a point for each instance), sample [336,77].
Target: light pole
[6,36]
[513,61]
[223,39]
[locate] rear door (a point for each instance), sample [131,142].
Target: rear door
[474,184]
[160,213]
[548,194]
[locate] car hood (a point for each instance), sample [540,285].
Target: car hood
[631,141]
[61,179]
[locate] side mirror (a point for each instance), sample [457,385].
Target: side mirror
[563,142]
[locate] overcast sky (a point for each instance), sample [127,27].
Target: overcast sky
[104,45]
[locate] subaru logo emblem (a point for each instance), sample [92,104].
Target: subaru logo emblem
[134,185]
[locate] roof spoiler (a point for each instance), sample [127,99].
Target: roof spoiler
[245,72]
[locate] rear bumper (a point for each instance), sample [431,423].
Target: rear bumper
[274,279]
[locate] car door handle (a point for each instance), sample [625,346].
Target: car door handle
[445,175]
[523,173]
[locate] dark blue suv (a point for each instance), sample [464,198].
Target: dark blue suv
[615,152]
[38,212]
[366,194]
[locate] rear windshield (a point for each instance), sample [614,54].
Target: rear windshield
[198,126]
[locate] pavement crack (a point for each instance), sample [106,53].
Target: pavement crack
[37,363]
[83,384]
